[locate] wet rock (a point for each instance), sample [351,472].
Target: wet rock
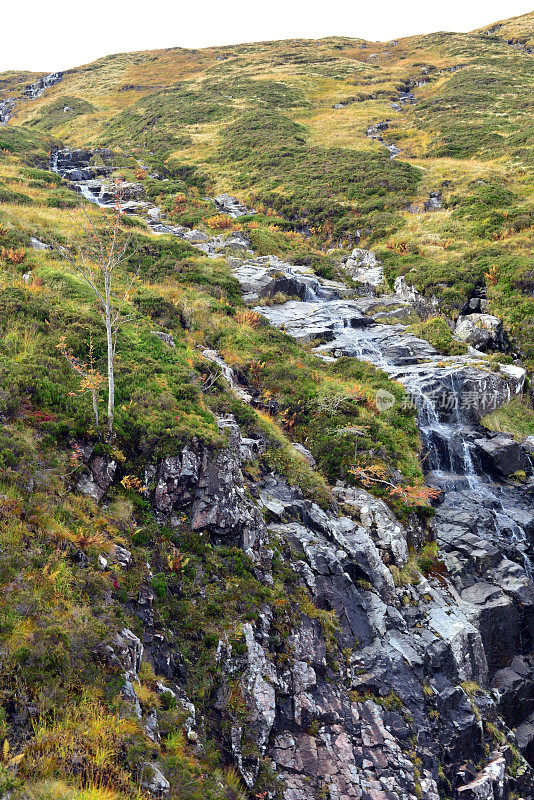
[123,191]
[502,455]
[36,89]
[309,321]
[265,278]
[6,110]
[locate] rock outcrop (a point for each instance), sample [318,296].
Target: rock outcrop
[210,483]
[481,331]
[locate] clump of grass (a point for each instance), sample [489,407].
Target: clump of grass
[436,331]
[516,417]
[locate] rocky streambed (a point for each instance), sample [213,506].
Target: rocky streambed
[434,694]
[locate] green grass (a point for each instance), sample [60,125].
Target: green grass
[516,417]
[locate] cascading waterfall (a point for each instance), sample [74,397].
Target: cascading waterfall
[445,431]
[434,384]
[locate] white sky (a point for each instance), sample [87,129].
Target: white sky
[52,35]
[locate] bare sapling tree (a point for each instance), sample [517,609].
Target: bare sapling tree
[91,379]
[95,256]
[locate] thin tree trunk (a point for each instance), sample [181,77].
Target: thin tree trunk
[111,377]
[95,405]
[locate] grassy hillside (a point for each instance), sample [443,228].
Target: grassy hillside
[227,111]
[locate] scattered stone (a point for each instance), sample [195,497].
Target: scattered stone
[38,245]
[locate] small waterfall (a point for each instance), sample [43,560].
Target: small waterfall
[228,374]
[310,295]
[441,393]
[86,192]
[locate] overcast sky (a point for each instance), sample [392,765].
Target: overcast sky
[49,35]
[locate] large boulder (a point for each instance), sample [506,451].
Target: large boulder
[481,331]
[501,455]
[497,619]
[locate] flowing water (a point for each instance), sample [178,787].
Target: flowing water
[436,385]
[444,392]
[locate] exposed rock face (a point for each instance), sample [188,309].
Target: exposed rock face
[348,329]
[209,482]
[502,455]
[364,267]
[389,535]
[378,691]
[490,783]
[231,206]
[6,110]
[98,479]
[350,730]
[423,305]
[36,89]
[481,331]
[334,734]
[156,783]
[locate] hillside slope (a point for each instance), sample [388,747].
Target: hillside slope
[296,564]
